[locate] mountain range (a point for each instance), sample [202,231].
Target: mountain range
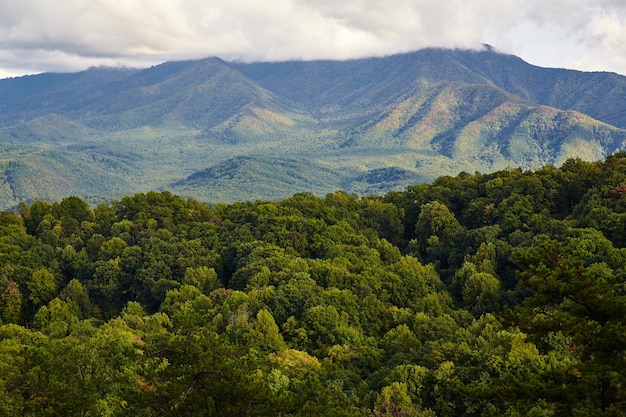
[231,131]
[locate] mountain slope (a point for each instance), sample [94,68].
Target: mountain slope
[33,96]
[468,121]
[258,177]
[325,83]
[222,131]
[97,174]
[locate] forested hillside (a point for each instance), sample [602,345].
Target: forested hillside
[222,131]
[475,295]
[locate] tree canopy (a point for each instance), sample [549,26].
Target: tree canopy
[476,295]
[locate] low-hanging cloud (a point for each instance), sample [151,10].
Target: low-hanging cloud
[66,35]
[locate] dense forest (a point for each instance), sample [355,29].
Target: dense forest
[475,295]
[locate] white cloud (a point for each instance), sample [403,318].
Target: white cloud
[44,35]
[607,48]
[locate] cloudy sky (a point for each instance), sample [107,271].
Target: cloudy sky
[71,35]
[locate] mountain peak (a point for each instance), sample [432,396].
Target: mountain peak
[366,125]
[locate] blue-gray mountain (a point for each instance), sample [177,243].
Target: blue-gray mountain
[224,131]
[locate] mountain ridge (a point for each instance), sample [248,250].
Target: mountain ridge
[414,116]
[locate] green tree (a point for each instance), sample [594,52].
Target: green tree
[11,303]
[395,401]
[203,278]
[266,325]
[72,207]
[481,293]
[437,231]
[75,292]
[41,287]
[585,304]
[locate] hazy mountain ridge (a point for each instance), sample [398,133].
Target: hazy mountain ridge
[588,92]
[423,114]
